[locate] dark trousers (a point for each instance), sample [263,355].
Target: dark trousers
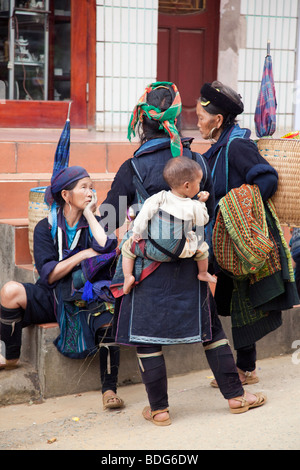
[246,358]
[11,325]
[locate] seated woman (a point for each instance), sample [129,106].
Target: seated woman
[75,260]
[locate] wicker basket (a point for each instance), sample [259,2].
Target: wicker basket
[37,210]
[284,156]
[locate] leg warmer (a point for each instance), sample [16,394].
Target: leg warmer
[246,358]
[11,331]
[109,359]
[154,376]
[222,364]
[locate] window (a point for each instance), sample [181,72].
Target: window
[35,50]
[60,50]
[65,68]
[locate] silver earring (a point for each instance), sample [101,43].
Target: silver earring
[70,209]
[210,136]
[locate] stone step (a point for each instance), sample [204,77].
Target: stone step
[27,156]
[15,190]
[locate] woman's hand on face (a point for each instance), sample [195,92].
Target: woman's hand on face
[92,205]
[97,230]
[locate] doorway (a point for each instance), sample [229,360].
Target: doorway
[187,53]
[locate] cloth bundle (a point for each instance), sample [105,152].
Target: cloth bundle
[240,239]
[295,244]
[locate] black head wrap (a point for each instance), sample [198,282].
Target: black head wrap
[220,100]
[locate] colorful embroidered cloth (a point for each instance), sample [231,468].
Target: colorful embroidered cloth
[263,295]
[249,244]
[167,118]
[92,266]
[241,240]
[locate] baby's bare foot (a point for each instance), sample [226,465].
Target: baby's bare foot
[206,277]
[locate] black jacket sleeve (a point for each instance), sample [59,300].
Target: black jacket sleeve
[249,166]
[207,185]
[121,195]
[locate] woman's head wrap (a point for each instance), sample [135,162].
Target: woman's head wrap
[166,118]
[215,97]
[62,179]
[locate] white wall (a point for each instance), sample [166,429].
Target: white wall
[127,53]
[277,21]
[126,58]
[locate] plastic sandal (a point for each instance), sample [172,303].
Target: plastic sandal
[149,416]
[245,405]
[249,380]
[111,400]
[9,364]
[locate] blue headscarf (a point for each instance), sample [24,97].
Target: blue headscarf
[60,181]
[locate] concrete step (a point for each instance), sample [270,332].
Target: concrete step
[28,164]
[20,228]
[26,161]
[15,190]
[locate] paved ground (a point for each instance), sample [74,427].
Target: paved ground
[200,418]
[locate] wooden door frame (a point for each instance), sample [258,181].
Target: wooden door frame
[185,24]
[206,21]
[52,114]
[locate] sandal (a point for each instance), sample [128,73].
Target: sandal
[148,414]
[245,405]
[249,379]
[111,400]
[9,364]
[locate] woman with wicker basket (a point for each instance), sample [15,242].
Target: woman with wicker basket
[234,161]
[75,261]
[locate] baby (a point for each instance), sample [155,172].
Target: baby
[183,175]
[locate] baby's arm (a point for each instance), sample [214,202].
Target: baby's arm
[201,214]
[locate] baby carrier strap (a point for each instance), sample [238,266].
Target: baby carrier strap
[142,192]
[203,166]
[166,252]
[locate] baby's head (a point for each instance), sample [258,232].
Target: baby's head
[183,175]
